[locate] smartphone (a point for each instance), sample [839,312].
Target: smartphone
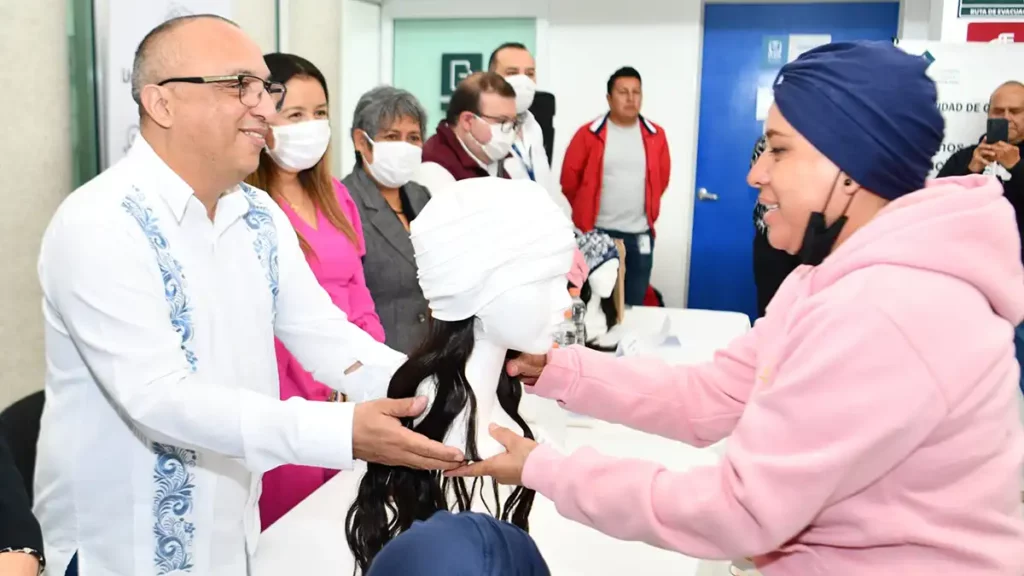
[998,130]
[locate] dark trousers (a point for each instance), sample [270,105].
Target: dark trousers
[638,265]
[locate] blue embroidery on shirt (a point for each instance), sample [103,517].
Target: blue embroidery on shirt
[170,269]
[172,503]
[173,498]
[260,221]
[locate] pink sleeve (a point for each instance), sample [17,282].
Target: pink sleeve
[578,273]
[833,420]
[698,405]
[363,312]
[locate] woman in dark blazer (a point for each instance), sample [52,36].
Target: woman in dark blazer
[387,131]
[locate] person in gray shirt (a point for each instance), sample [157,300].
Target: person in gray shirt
[615,171]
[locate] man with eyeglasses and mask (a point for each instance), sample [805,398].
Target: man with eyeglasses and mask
[165,280]
[475,136]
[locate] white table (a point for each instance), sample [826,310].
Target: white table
[310,540]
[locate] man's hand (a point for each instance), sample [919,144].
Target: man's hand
[1006,154]
[527,367]
[983,155]
[378,436]
[506,468]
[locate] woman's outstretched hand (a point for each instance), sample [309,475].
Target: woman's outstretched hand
[527,367]
[507,467]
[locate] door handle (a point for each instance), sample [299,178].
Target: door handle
[705,196]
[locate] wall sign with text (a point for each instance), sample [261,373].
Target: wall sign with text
[454,68]
[995,32]
[989,8]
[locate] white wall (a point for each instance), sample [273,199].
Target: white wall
[35,159]
[258,19]
[360,65]
[915,20]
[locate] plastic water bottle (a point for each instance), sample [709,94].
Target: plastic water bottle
[579,313]
[565,332]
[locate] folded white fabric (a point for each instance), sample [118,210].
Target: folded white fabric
[480,237]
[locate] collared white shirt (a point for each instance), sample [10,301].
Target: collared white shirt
[162,395]
[530,157]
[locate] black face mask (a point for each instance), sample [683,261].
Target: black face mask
[819,237]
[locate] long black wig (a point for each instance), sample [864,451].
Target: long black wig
[391,498]
[611,315]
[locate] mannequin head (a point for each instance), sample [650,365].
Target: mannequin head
[525,317]
[603,280]
[492,255]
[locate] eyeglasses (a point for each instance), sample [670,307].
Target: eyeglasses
[250,88]
[506,125]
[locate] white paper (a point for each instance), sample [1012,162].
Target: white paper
[765,98]
[800,43]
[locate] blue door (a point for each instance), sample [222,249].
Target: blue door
[744,47]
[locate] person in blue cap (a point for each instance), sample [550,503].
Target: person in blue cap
[871,415]
[464,544]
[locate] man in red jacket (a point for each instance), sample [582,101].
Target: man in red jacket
[614,173]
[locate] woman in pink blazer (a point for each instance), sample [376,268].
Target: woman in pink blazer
[295,171]
[871,415]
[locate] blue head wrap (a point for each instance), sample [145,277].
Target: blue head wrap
[464,544]
[868,107]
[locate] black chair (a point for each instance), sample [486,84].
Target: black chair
[19,425]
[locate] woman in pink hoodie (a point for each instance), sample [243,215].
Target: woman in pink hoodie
[872,413]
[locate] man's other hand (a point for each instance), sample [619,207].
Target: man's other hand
[1006,154]
[984,155]
[378,436]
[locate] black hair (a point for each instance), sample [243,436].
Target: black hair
[283,67]
[624,72]
[494,55]
[466,97]
[409,495]
[611,313]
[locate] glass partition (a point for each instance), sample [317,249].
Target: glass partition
[85,162]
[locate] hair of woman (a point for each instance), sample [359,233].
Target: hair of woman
[381,107]
[316,181]
[611,315]
[409,495]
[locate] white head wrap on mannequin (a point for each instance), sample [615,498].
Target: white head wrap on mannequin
[480,237]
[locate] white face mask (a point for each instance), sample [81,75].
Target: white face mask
[300,146]
[500,144]
[525,89]
[394,163]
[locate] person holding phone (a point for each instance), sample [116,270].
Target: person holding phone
[999,150]
[998,153]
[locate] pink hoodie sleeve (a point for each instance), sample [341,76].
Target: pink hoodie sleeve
[364,311]
[698,405]
[847,401]
[578,273]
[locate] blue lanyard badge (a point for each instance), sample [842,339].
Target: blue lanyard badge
[526,163]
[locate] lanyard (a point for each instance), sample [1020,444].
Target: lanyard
[527,165]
